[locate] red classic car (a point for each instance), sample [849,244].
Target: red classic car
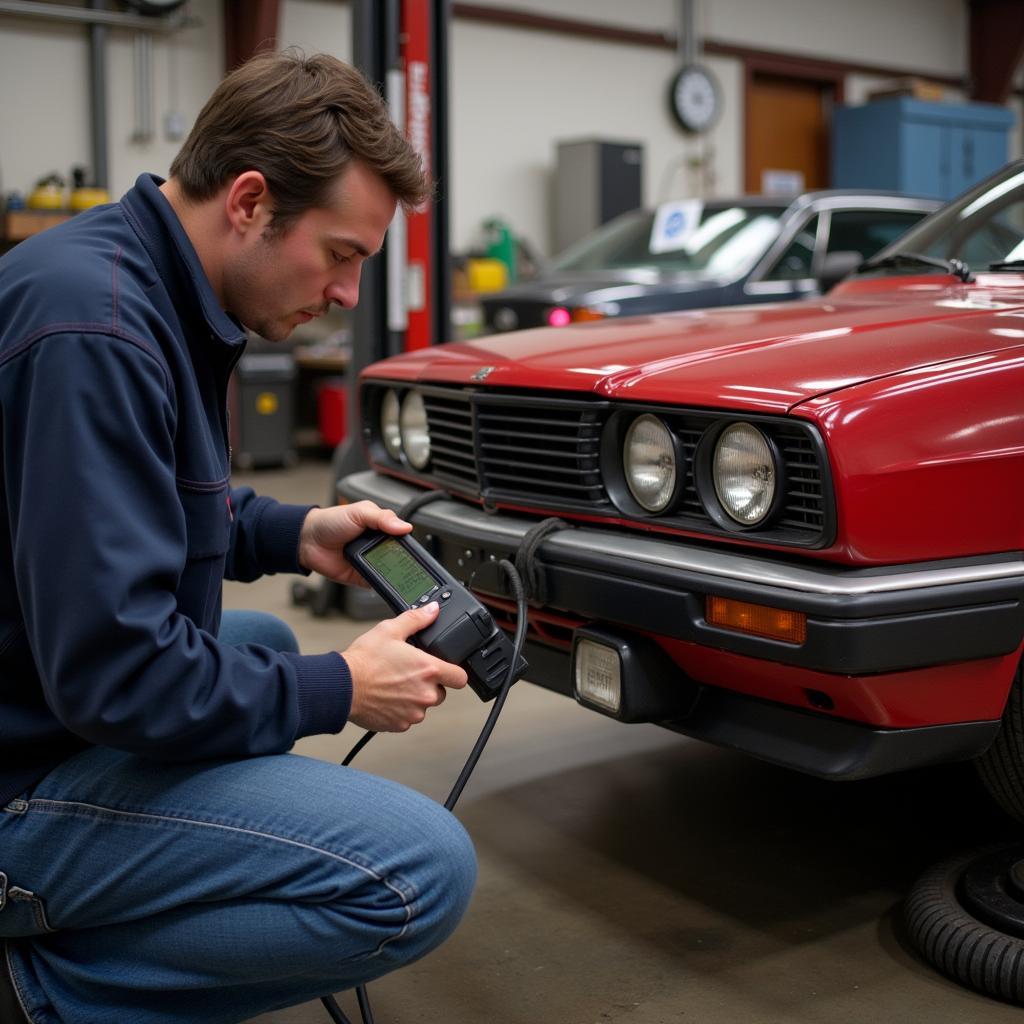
[792,529]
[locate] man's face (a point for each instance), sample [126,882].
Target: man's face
[278,281]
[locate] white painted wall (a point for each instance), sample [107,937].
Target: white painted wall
[44,82]
[514,92]
[922,35]
[928,35]
[44,76]
[643,15]
[317,26]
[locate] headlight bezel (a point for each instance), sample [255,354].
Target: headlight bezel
[707,485]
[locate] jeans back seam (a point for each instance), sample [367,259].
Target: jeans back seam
[14,982]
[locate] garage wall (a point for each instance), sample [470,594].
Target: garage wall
[44,76]
[514,91]
[323,26]
[921,35]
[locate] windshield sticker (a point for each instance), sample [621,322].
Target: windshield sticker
[674,223]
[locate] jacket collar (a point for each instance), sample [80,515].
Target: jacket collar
[175,257]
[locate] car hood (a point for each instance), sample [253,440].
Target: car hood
[601,286]
[768,357]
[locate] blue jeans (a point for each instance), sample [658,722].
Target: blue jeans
[144,892]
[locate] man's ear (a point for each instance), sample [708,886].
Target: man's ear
[248,204]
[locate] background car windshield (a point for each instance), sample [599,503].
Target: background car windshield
[984,226]
[725,241]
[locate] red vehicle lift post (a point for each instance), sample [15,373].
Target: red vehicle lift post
[405,293]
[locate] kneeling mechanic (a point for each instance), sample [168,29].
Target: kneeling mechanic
[163,860]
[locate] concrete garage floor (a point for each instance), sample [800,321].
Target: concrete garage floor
[630,875]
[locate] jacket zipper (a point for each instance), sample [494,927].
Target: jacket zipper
[227,405]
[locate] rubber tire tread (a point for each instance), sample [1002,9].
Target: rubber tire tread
[954,941]
[1001,767]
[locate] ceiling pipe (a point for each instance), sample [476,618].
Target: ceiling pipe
[94,15]
[686,32]
[99,20]
[98,97]
[142,63]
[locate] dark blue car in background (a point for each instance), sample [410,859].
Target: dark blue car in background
[690,254]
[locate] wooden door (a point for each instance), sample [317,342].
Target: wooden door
[787,131]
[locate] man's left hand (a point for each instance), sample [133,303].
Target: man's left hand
[326,531]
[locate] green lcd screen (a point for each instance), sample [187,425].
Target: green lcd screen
[400,570]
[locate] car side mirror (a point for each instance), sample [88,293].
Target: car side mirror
[836,266]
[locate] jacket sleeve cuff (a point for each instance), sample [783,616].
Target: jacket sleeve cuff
[324,692]
[279,531]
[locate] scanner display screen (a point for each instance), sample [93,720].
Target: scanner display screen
[400,570]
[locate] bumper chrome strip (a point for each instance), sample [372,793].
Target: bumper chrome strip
[508,529]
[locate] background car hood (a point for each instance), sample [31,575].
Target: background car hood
[767,357]
[600,286]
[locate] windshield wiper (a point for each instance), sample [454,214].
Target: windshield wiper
[951,266]
[1006,265]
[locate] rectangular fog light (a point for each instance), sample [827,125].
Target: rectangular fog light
[598,675]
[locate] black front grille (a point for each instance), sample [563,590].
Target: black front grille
[513,449]
[452,452]
[689,436]
[565,454]
[804,505]
[552,453]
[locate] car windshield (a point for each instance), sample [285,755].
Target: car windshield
[718,239]
[983,228]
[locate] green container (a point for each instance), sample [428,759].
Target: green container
[501,244]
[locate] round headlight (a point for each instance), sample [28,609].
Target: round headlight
[649,459]
[744,473]
[389,428]
[415,435]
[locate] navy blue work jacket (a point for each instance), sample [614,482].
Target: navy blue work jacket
[118,523]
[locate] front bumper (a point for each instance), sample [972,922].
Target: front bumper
[860,622]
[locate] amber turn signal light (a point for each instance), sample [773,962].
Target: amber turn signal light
[585,315]
[758,619]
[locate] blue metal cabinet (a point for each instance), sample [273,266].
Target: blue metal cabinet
[908,145]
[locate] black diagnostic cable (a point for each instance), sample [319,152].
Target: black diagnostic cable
[329,1002]
[499,701]
[364,739]
[334,1011]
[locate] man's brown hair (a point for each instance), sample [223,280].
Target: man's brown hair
[300,121]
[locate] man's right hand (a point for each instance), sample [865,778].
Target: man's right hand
[393,682]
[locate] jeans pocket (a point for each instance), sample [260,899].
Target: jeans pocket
[22,913]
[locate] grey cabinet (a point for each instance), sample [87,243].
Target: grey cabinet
[595,180]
